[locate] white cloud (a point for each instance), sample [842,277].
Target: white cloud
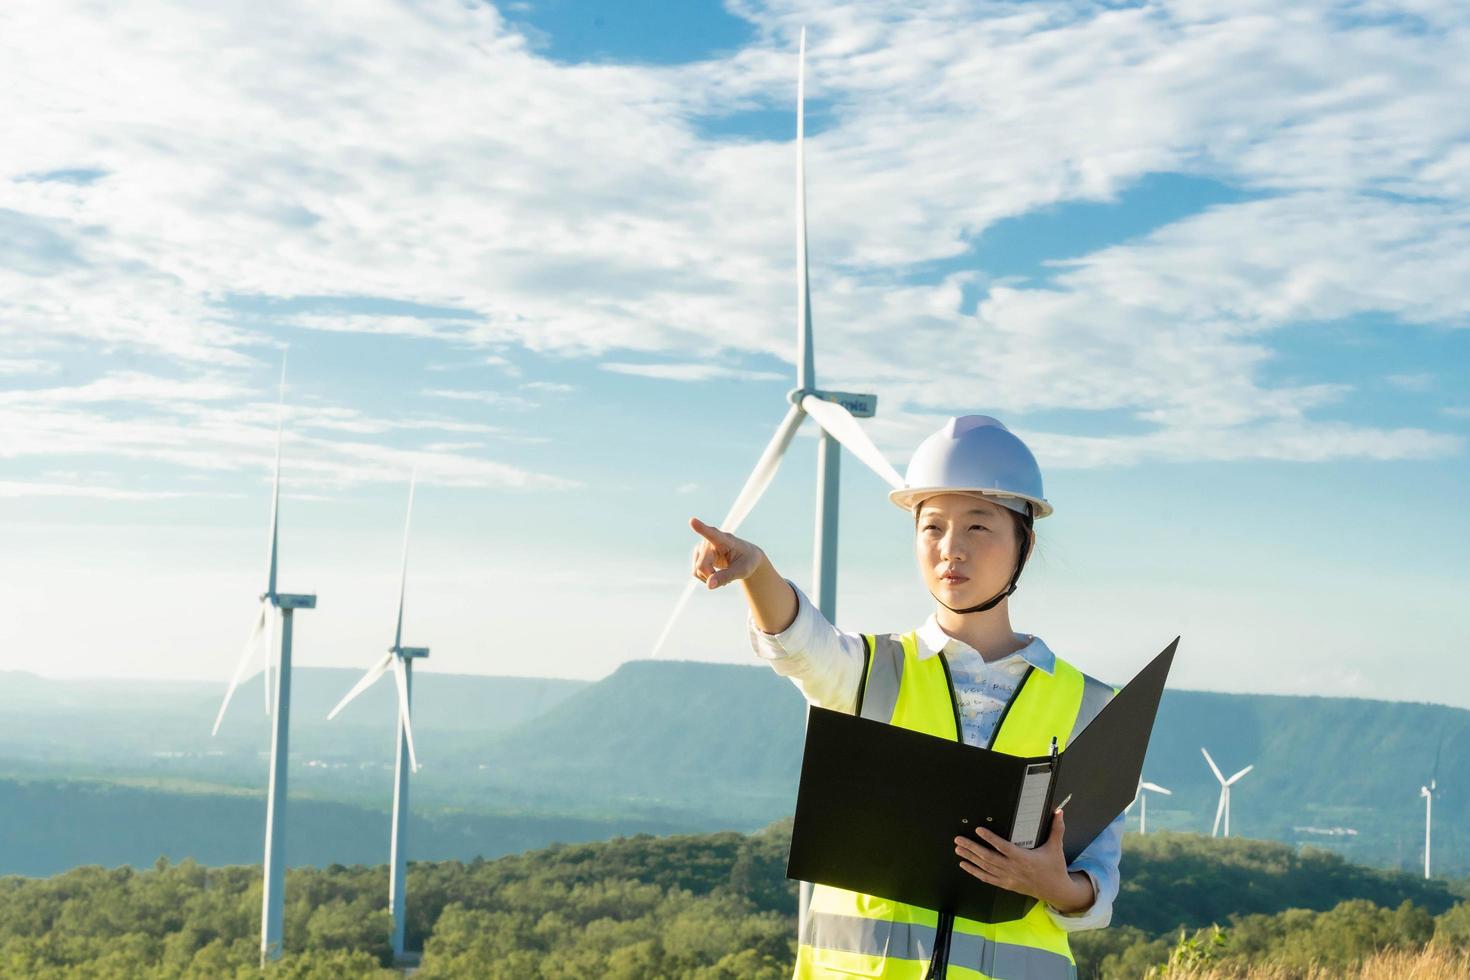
[1283,441]
[496,398]
[12,366]
[130,387]
[425,153]
[450,447]
[1413,381]
[691,372]
[15,488]
[438,328]
[199,425]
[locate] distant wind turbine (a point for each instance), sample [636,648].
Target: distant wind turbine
[399,659]
[264,621]
[272,913]
[1141,799]
[1428,793]
[1224,805]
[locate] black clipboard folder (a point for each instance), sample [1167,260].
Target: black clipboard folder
[879,806]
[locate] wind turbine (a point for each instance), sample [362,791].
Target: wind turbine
[1428,793]
[836,413]
[1141,799]
[399,659]
[272,911]
[1225,784]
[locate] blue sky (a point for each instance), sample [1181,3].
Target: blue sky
[1205,262]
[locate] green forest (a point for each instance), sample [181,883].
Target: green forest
[699,906]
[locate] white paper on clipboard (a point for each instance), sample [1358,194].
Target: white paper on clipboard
[1031,807]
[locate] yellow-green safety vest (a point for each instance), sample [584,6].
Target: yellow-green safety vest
[848,934]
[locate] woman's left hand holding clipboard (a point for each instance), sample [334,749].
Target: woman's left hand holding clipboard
[1040,872]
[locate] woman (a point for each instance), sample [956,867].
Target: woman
[974,490]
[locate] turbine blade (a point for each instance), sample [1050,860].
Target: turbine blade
[270,652]
[377,670]
[1239,774]
[1213,768]
[755,485]
[765,470]
[1219,812]
[400,676]
[270,587]
[403,573]
[845,429]
[806,358]
[1155,787]
[244,661]
[674,616]
[746,501]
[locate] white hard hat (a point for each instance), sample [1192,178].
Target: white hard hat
[974,454]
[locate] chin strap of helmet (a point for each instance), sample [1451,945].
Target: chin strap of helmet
[1022,553]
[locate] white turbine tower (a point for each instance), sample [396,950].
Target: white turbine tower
[399,659]
[272,913]
[1428,793]
[1224,805]
[1141,799]
[836,413]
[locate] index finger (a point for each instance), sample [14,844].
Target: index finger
[711,534]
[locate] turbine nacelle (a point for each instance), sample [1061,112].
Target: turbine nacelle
[295,601]
[858,405]
[1242,772]
[408,653]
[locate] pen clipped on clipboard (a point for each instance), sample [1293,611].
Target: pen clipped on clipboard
[1031,806]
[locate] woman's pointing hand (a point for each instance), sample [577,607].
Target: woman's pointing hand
[721,558]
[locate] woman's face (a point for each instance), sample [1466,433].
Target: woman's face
[967,537]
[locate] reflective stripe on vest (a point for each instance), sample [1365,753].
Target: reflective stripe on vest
[851,934]
[913,941]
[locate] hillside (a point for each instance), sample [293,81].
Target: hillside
[713,737]
[689,732]
[698,746]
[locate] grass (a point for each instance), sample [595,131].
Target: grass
[1433,962]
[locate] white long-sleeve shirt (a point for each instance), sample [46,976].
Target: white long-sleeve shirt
[826,664]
